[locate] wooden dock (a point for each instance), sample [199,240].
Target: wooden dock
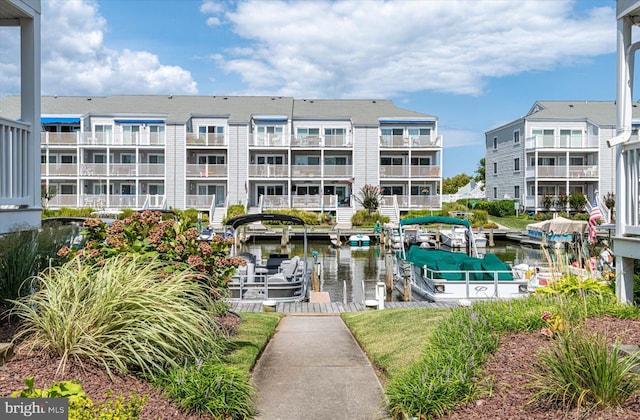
[332,308]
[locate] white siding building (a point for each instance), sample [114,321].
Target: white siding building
[19,145]
[558,148]
[207,152]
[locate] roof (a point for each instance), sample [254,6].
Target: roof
[178,109]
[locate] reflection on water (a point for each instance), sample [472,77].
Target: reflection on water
[351,276]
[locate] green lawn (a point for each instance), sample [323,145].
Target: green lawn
[250,338]
[394,338]
[512,222]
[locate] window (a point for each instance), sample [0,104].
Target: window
[495,167]
[516,192]
[495,143]
[336,160]
[544,138]
[128,189]
[516,136]
[68,159]
[156,189]
[104,132]
[158,159]
[495,192]
[308,132]
[307,160]
[392,190]
[576,189]
[204,130]
[269,131]
[546,161]
[335,136]
[421,161]
[576,161]
[99,158]
[421,190]
[391,160]
[270,190]
[156,134]
[67,189]
[127,158]
[211,159]
[516,164]
[271,160]
[130,134]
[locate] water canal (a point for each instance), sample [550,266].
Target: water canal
[351,276]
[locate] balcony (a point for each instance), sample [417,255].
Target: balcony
[583,171]
[204,140]
[269,170]
[59,139]
[306,171]
[557,171]
[63,200]
[337,141]
[550,171]
[306,141]
[269,140]
[338,171]
[415,171]
[123,169]
[425,201]
[59,169]
[207,171]
[410,142]
[118,139]
[151,169]
[199,201]
[562,142]
[93,169]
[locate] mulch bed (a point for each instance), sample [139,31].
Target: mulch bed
[509,367]
[95,381]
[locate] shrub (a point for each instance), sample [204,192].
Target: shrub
[148,235]
[363,218]
[369,197]
[129,314]
[210,387]
[577,201]
[580,370]
[82,407]
[25,253]
[309,217]
[234,210]
[498,208]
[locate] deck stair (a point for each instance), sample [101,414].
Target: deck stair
[391,213]
[343,217]
[218,216]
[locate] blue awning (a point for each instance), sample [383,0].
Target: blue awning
[271,118]
[139,121]
[59,120]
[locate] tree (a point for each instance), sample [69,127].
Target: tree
[577,201]
[481,171]
[369,198]
[47,193]
[451,185]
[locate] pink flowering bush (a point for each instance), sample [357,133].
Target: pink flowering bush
[147,234]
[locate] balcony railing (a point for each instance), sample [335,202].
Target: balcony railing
[269,140]
[93,169]
[16,166]
[306,141]
[571,172]
[306,171]
[631,190]
[195,139]
[122,169]
[59,169]
[268,170]
[562,142]
[63,200]
[416,171]
[199,201]
[412,201]
[59,139]
[403,142]
[151,169]
[338,170]
[120,139]
[548,171]
[583,171]
[207,171]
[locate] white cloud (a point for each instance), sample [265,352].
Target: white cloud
[453,138]
[385,48]
[75,60]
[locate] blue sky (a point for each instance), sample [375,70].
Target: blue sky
[474,64]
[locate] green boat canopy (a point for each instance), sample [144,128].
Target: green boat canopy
[428,220]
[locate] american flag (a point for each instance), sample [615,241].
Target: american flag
[593,221]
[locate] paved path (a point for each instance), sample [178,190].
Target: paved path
[314,369]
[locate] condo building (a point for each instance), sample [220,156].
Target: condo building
[209,152]
[558,148]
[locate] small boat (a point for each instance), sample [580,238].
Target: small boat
[280,278]
[555,232]
[359,242]
[454,237]
[442,274]
[392,234]
[480,239]
[334,238]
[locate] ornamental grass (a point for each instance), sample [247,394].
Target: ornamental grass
[126,315]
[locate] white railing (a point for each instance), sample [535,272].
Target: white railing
[631,209]
[212,139]
[199,201]
[338,170]
[206,171]
[414,142]
[16,183]
[151,169]
[59,169]
[306,171]
[63,200]
[562,142]
[93,169]
[59,139]
[269,140]
[269,170]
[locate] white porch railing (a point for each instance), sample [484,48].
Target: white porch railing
[631,213]
[16,183]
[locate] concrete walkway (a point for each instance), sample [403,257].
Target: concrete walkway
[314,369]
